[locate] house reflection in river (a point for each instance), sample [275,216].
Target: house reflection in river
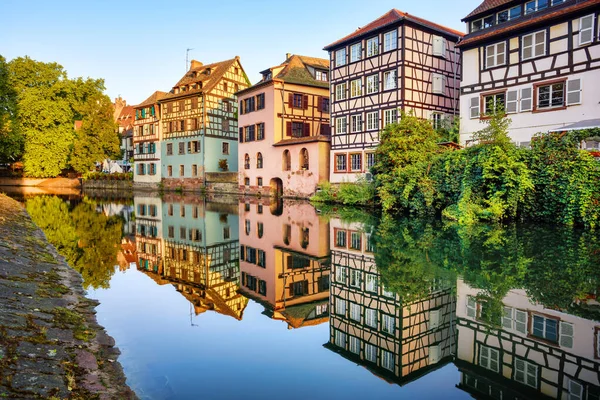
[198,253]
[533,352]
[284,260]
[370,326]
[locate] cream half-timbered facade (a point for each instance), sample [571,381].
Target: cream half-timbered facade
[369,325]
[539,59]
[147,142]
[396,63]
[532,352]
[199,123]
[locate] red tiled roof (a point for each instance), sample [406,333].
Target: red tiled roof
[152,99]
[549,15]
[126,117]
[389,18]
[485,6]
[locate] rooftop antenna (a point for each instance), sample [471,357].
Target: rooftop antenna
[187,63]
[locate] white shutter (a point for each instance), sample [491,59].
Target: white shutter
[526,99]
[434,354]
[574,91]
[434,319]
[521,321]
[566,335]
[474,107]
[507,318]
[439,46]
[586,29]
[511,101]
[438,83]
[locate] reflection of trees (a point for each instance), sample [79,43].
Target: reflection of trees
[87,239]
[558,267]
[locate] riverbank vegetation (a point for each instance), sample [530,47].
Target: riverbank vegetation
[43,108]
[491,181]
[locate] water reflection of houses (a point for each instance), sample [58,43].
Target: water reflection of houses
[533,352]
[197,252]
[284,260]
[370,326]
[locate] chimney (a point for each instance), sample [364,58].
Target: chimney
[195,64]
[287,56]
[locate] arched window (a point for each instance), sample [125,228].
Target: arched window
[304,159]
[287,161]
[246,161]
[259,160]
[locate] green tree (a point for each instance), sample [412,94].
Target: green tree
[11,140]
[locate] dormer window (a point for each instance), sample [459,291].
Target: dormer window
[482,23]
[535,5]
[175,90]
[267,76]
[321,75]
[508,15]
[207,71]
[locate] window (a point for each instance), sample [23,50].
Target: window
[287,161]
[566,335]
[371,283]
[471,307]
[340,91]
[225,148]
[514,319]
[372,121]
[340,125]
[247,226]
[474,107]
[370,352]
[356,88]
[324,104]
[354,345]
[489,358]
[356,162]
[246,161]
[340,307]
[390,40]
[372,84]
[340,57]
[340,238]
[259,161]
[260,101]
[387,360]
[261,262]
[355,52]
[260,131]
[371,317]
[321,75]
[356,123]
[247,181]
[388,324]
[575,390]
[171,232]
[304,159]
[249,134]
[297,100]
[535,5]
[482,23]
[182,232]
[534,45]
[181,147]
[526,372]
[355,312]
[545,328]
[389,80]
[439,46]
[341,273]
[550,96]
[373,46]
[436,120]
[586,29]
[299,129]
[438,83]
[340,162]
[491,102]
[508,15]
[390,116]
[194,146]
[370,160]
[495,55]
[170,210]
[340,339]
[355,279]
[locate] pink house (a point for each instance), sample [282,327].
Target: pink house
[284,129]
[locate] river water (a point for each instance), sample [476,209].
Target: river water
[257,300]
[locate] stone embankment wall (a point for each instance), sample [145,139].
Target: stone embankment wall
[51,345]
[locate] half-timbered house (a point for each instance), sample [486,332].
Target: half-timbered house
[284,260]
[199,124]
[148,232]
[539,59]
[370,325]
[284,129]
[396,63]
[147,142]
[531,352]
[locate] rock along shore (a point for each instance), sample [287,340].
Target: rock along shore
[51,346]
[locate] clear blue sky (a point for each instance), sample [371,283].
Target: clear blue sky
[139,46]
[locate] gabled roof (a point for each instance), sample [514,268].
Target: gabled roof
[154,97]
[486,6]
[391,17]
[205,75]
[528,21]
[126,117]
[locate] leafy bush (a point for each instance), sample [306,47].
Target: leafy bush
[360,193]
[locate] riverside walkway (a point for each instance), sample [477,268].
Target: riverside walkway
[51,346]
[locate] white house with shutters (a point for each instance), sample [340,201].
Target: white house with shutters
[540,59]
